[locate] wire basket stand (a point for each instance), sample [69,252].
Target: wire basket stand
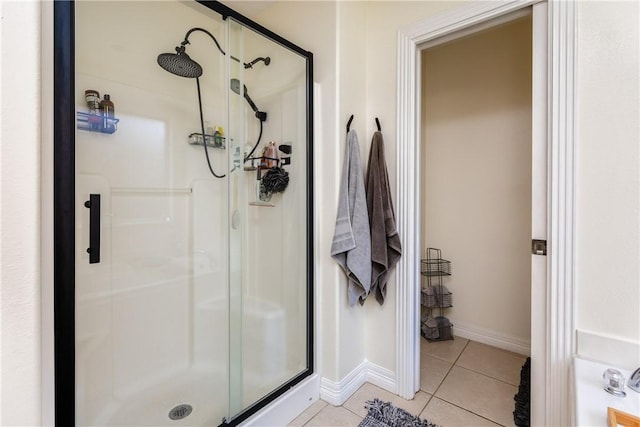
[435,297]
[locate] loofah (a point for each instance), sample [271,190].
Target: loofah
[275,180]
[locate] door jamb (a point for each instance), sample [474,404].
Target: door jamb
[558,331]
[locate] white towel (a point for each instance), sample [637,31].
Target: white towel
[351,247]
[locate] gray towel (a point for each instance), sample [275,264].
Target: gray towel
[351,246]
[385,242]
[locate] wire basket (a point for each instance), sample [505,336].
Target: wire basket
[434,265]
[438,329]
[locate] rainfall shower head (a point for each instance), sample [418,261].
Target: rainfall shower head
[235,86]
[180,64]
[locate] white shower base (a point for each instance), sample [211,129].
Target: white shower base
[203,383]
[199,388]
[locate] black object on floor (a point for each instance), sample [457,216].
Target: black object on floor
[521,413]
[384,414]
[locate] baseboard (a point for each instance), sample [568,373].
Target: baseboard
[287,407]
[618,352]
[492,338]
[337,392]
[381,377]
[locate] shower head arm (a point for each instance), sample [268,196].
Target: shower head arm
[246,65]
[266,61]
[186,38]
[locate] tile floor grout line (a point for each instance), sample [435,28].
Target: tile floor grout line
[462,351]
[328,404]
[447,374]
[471,412]
[486,376]
[425,403]
[342,406]
[428,400]
[450,368]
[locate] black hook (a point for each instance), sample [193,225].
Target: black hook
[378,124]
[349,122]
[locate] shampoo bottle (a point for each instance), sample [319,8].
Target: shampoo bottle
[108,114]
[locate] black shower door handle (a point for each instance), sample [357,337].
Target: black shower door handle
[93,204]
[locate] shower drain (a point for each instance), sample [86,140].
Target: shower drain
[180,412]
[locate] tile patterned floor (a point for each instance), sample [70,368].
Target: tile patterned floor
[462,384]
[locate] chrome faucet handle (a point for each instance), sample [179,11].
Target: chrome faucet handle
[634,381]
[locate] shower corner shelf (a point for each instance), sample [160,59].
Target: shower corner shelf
[96,123]
[435,297]
[196,139]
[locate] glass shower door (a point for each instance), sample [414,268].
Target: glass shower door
[269,236]
[152,294]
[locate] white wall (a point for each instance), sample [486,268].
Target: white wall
[20,214]
[608,164]
[476,178]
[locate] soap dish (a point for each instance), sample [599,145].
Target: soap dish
[619,418]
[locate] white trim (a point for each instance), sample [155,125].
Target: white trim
[559,325]
[462,18]
[539,203]
[288,406]
[381,377]
[407,275]
[338,392]
[561,225]
[495,339]
[520,13]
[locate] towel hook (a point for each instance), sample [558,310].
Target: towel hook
[349,123]
[378,124]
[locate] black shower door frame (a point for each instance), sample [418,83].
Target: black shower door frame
[64,210]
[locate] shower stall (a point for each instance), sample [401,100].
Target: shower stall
[183,214]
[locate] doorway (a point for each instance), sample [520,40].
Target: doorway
[476,178]
[552,291]
[476,208]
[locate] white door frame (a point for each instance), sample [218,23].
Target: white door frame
[553,341]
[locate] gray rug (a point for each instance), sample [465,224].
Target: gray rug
[384,414]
